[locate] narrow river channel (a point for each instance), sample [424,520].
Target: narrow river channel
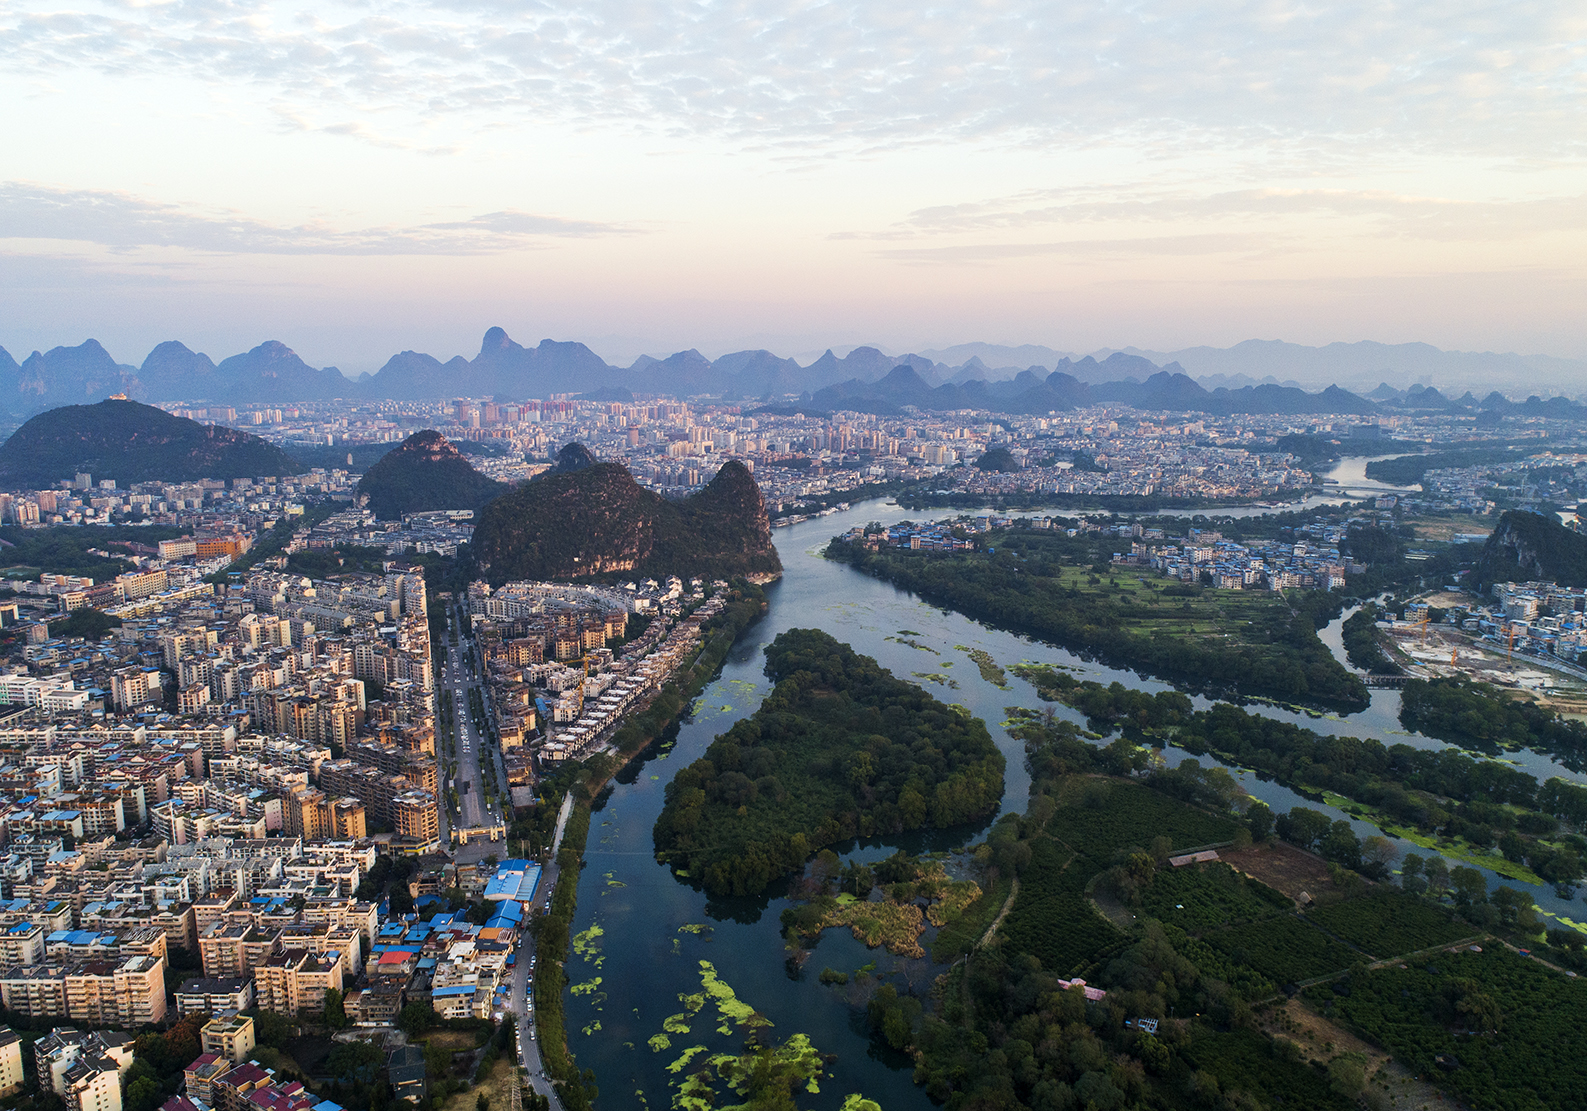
[647,941]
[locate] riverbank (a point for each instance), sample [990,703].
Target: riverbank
[746,607]
[552,933]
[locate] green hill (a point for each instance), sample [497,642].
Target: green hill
[130,442]
[598,521]
[572,457]
[425,473]
[1528,547]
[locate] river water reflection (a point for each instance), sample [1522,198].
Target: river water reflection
[644,933]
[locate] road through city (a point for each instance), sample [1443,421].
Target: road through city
[459,675]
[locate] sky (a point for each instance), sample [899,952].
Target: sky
[356,179]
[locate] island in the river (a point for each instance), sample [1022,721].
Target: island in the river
[839,749]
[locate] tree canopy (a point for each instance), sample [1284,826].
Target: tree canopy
[840,748]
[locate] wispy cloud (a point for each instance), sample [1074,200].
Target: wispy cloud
[123,221]
[1089,249]
[1462,77]
[1399,214]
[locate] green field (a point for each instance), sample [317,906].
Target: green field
[1203,897]
[1387,924]
[1509,1029]
[1285,949]
[1105,815]
[1246,1061]
[1052,920]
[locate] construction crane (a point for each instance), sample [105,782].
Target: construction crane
[1427,617]
[1510,651]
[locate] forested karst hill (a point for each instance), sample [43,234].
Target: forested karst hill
[425,473]
[597,520]
[130,442]
[1527,547]
[572,457]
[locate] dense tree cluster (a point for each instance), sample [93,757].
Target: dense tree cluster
[839,749]
[98,552]
[1480,716]
[1373,544]
[158,1061]
[343,559]
[1362,647]
[1016,583]
[1407,470]
[1483,802]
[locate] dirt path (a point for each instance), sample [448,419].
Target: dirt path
[1008,905]
[1320,1040]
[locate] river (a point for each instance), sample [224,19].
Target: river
[1349,476]
[646,932]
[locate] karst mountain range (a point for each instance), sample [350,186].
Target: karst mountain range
[1252,377]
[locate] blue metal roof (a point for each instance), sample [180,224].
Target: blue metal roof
[509,910]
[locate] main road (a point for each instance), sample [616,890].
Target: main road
[460,674]
[519,999]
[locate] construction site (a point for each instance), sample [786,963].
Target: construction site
[1495,651]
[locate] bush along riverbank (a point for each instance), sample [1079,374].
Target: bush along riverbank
[1362,646]
[1464,807]
[1483,717]
[553,931]
[552,935]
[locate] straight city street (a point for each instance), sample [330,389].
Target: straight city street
[460,675]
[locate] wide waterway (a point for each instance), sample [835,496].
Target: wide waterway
[646,933]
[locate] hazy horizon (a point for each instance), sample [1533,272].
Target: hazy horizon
[405,173]
[1252,361]
[628,350]
[357,178]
